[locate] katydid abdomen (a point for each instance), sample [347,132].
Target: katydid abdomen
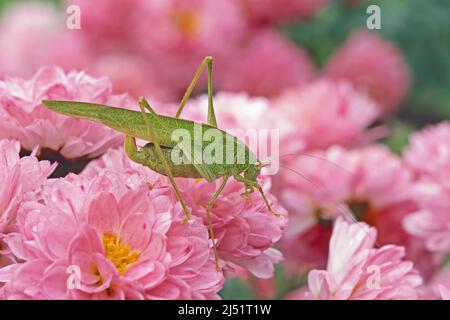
[149,157]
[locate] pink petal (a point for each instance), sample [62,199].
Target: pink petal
[54,283]
[104,213]
[135,230]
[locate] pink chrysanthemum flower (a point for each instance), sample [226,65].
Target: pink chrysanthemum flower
[245,230]
[196,25]
[431,221]
[125,71]
[269,11]
[327,112]
[370,184]
[428,157]
[438,287]
[266,66]
[356,270]
[175,35]
[35,42]
[25,51]
[23,117]
[373,65]
[100,238]
[428,154]
[107,31]
[21,179]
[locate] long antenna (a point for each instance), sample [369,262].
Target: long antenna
[318,158]
[341,207]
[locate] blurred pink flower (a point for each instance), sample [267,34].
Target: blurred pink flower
[430,221]
[245,230]
[379,177]
[428,154]
[175,35]
[106,24]
[178,27]
[357,270]
[445,293]
[103,46]
[327,112]
[266,66]
[132,74]
[312,197]
[370,183]
[22,179]
[23,117]
[428,157]
[374,66]
[269,11]
[25,38]
[39,41]
[439,285]
[122,242]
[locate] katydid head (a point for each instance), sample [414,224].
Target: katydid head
[251,183]
[259,165]
[252,173]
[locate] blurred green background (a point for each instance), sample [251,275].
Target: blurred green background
[421,29]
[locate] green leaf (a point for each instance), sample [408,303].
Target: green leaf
[399,135]
[236,289]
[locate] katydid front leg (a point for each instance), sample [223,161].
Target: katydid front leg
[253,184]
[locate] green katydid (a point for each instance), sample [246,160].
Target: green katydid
[157,129]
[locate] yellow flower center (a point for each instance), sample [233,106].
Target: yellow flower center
[118,253]
[186,21]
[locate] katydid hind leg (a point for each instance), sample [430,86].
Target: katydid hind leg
[163,160]
[209,221]
[212,121]
[211,117]
[147,105]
